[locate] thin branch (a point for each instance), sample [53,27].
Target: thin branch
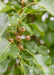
[22,5]
[29,5]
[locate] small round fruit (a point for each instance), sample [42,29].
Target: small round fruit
[11,40]
[28,38]
[18,38]
[20,47]
[22,29]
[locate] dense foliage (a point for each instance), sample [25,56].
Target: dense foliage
[35,56]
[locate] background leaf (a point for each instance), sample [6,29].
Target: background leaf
[4,8]
[48,5]
[3,66]
[3,23]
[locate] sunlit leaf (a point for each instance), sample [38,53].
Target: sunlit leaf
[4,8]
[3,23]
[48,5]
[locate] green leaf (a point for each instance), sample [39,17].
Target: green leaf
[3,23]
[13,19]
[49,38]
[26,54]
[41,24]
[42,62]
[22,67]
[4,8]
[33,70]
[31,46]
[6,49]
[37,8]
[37,28]
[13,71]
[51,25]
[35,1]
[48,5]
[3,66]
[42,50]
[32,9]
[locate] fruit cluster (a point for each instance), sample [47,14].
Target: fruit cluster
[18,38]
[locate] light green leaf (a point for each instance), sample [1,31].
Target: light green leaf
[42,62]
[6,49]
[35,1]
[4,8]
[41,24]
[42,50]
[22,68]
[13,19]
[31,46]
[3,66]
[33,70]
[37,8]
[48,5]
[37,28]
[32,9]
[3,23]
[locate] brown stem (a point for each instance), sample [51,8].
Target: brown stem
[18,28]
[32,18]
[19,20]
[22,5]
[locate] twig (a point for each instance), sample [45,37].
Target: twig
[29,5]
[22,5]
